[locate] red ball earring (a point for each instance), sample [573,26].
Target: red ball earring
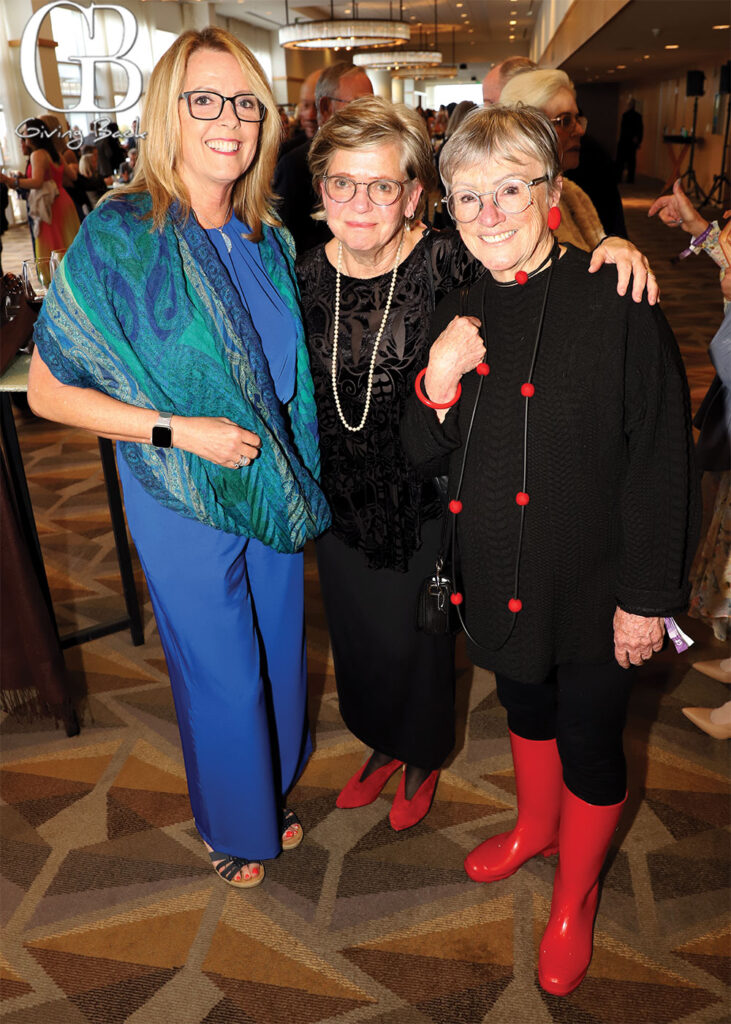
[554,218]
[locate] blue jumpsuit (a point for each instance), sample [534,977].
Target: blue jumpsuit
[230,612]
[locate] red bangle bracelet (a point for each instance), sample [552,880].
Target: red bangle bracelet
[427,401]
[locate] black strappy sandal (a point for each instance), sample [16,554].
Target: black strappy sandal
[289,821]
[230,866]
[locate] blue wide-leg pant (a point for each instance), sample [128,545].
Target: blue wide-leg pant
[230,612]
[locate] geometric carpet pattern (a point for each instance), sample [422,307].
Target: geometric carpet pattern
[110,911]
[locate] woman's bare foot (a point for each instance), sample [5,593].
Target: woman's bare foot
[236,870]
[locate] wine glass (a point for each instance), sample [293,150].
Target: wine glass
[37,276]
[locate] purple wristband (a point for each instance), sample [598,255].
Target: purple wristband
[695,243]
[680,639]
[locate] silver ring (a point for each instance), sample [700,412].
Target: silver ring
[241,462]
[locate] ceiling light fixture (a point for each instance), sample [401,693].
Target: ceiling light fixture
[336,33]
[445,71]
[392,61]
[718,28]
[671,46]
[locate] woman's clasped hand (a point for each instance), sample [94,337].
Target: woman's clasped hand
[217,439]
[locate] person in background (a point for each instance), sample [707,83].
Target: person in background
[127,168]
[111,153]
[630,140]
[573,497]
[90,182]
[306,121]
[55,221]
[173,327]
[553,93]
[711,596]
[336,86]
[711,571]
[440,219]
[595,170]
[69,158]
[500,74]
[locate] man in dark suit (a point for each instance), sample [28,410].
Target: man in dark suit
[306,115]
[630,140]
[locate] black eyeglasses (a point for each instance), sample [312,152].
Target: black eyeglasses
[382,191]
[566,121]
[207,106]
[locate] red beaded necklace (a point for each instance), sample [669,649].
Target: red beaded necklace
[522,498]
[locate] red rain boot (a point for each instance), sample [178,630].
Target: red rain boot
[585,833]
[538,782]
[359,792]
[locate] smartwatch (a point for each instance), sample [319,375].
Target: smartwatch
[162,432]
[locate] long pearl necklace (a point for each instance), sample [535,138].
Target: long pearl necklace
[376,343]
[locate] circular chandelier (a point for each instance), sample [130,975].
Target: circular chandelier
[395,60]
[334,33]
[440,71]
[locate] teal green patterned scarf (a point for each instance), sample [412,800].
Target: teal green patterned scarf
[151,318]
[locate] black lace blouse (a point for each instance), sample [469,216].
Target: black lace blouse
[378,503]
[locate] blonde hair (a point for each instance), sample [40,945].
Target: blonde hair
[157,167]
[369,123]
[503,132]
[535,88]
[86,165]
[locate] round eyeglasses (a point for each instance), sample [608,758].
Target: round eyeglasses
[207,106]
[567,121]
[513,196]
[382,191]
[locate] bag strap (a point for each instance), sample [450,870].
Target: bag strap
[463,297]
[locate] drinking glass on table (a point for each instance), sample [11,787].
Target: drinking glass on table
[37,274]
[56,256]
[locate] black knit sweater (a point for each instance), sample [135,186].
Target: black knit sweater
[613,511]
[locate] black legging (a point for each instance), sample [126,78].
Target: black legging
[584,707]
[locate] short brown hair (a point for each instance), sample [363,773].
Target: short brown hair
[156,171]
[368,123]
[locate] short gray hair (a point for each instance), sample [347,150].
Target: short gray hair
[503,132]
[327,84]
[535,88]
[371,122]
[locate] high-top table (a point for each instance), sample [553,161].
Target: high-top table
[15,381]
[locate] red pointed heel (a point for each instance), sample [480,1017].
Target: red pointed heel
[538,784]
[405,813]
[359,792]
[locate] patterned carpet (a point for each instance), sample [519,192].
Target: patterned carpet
[111,913]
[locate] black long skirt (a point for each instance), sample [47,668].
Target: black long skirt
[395,683]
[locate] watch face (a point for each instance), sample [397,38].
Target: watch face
[162,437]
